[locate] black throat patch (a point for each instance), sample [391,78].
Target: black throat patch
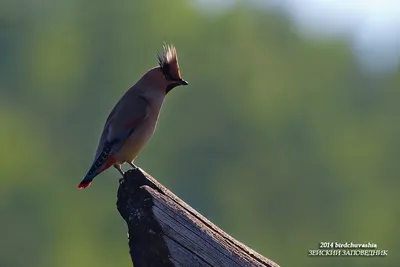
[171,86]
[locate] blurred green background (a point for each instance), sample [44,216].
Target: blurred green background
[281,140]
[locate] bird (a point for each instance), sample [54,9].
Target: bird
[132,121]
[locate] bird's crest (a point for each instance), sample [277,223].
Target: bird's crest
[168,62]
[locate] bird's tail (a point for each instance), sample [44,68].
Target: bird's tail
[85,182]
[88,177]
[98,167]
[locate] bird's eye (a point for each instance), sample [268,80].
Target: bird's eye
[168,77]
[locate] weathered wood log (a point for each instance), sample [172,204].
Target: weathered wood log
[165,231]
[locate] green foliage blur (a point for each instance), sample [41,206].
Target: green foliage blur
[280,140]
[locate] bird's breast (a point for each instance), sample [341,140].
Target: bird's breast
[138,139]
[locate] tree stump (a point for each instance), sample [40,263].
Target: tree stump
[165,231]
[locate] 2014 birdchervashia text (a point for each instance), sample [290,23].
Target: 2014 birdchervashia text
[340,249]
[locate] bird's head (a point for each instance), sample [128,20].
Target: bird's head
[169,67]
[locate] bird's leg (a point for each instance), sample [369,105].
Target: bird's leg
[118,167]
[132,165]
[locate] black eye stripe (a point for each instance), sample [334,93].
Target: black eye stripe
[168,77]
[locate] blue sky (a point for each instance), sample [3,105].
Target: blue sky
[371,26]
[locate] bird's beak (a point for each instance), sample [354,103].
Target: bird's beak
[183,82]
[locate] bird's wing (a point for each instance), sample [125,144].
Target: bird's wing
[122,122]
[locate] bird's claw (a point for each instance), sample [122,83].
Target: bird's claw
[134,167]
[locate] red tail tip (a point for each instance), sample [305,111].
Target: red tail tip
[84,184]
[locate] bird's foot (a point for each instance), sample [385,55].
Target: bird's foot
[134,167]
[118,167]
